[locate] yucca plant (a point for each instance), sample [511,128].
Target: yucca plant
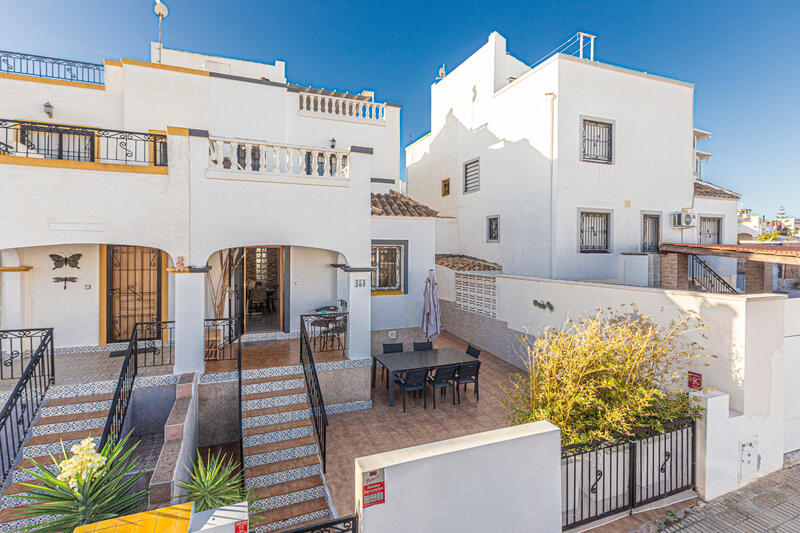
[88,487]
[216,482]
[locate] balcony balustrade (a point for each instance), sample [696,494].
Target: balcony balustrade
[272,158]
[51,67]
[320,105]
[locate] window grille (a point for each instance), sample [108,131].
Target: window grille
[650,233]
[388,260]
[710,230]
[476,293]
[594,232]
[493,229]
[597,142]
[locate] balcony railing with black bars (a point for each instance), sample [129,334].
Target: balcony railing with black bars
[24,401]
[222,341]
[704,276]
[115,421]
[17,348]
[51,67]
[315,400]
[42,140]
[344,524]
[327,332]
[155,343]
[602,478]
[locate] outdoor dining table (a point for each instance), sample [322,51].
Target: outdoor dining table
[398,362]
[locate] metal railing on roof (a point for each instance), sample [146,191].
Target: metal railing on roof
[51,67]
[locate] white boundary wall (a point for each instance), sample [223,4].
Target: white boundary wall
[503,480]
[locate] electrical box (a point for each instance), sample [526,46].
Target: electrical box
[748,460]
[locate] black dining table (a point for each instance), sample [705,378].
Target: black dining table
[399,362]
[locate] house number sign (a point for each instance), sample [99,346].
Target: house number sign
[373,487]
[359,283]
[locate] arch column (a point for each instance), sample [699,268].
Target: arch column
[359,300]
[11,290]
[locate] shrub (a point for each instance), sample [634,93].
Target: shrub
[88,487]
[607,374]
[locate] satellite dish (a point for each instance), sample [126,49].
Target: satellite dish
[160,9]
[442,73]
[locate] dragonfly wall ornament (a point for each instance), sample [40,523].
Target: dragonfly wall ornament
[65,280]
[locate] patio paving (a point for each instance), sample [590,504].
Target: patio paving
[384,428]
[267,354]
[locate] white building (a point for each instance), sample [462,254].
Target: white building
[555,171]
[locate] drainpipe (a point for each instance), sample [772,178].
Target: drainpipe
[551,226]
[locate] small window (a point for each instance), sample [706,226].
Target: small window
[388,261]
[472,176]
[493,229]
[650,233]
[596,142]
[710,230]
[594,232]
[446,187]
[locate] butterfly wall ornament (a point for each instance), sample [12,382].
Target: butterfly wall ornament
[60,260]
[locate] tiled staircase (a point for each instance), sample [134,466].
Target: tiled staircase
[68,420]
[281,462]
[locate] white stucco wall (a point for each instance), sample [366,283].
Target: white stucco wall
[312,282]
[405,310]
[791,374]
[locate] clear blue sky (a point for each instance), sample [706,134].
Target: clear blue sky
[743,56]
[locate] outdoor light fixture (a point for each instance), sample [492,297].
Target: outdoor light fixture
[333,143]
[48,109]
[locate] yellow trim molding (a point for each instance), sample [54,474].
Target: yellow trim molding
[164,286]
[387,293]
[16,269]
[82,165]
[102,289]
[174,130]
[173,68]
[112,63]
[51,81]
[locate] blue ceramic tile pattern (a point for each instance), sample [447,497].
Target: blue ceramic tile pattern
[280,455]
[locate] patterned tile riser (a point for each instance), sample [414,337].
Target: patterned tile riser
[289,499]
[104,387]
[73,408]
[348,407]
[277,436]
[46,449]
[285,475]
[316,515]
[90,423]
[280,455]
[282,370]
[272,386]
[65,350]
[17,524]
[249,405]
[279,418]
[20,475]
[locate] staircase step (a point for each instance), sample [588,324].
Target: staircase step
[12,521]
[281,471]
[273,383]
[274,410]
[275,456]
[280,466]
[69,422]
[51,442]
[272,379]
[292,515]
[288,493]
[279,445]
[54,409]
[70,417]
[278,417]
[261,400]
[287,487]
[276,432]
[272,394]
[74,400]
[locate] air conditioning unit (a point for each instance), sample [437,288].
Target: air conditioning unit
[683,220]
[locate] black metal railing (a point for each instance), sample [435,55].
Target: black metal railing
[122,394]
[704,276]
[343,524]
[42,140]
[24,401]
[315,401]
[327,332]
[51,67]
[17,348]
[221,340]
[599,479]
[241,431]
[155,343]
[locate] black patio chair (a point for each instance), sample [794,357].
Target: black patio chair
[441,379]
[391,347]
[414,381]
[421,346]
[468,373]
[473,351]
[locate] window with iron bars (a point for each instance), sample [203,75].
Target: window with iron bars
[594,232]
[710,230]
[596,145]
[650,233]
[387,259]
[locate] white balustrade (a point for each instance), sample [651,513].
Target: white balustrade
[270,158]
[342,108]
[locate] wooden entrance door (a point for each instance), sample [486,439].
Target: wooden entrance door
[134,289]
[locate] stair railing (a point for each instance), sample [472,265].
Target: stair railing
[704,275]
[315,401]
[28,395]
[123,392]
[234,330]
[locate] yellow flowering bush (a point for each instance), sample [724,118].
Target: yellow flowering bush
[85,460]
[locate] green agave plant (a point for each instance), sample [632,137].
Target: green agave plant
[216,482]
[101,493]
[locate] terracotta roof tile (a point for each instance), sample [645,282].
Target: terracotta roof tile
[709,190]
[463,263]
[395,204]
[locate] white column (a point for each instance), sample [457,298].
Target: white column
[11,292]
[359,301]
[190,307]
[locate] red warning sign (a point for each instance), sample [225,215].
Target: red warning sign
[373,488]
[241,526]
[695,380]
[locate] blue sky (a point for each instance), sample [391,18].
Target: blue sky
[743,56]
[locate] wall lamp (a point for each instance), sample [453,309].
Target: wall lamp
[48,109]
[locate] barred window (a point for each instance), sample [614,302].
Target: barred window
[472,176]
[710,230]
[493,229]
[650,233]
[388,260]
[594,232]
[596,141]
[446,187]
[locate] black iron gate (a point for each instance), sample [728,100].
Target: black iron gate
[599,479]
[134,289]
